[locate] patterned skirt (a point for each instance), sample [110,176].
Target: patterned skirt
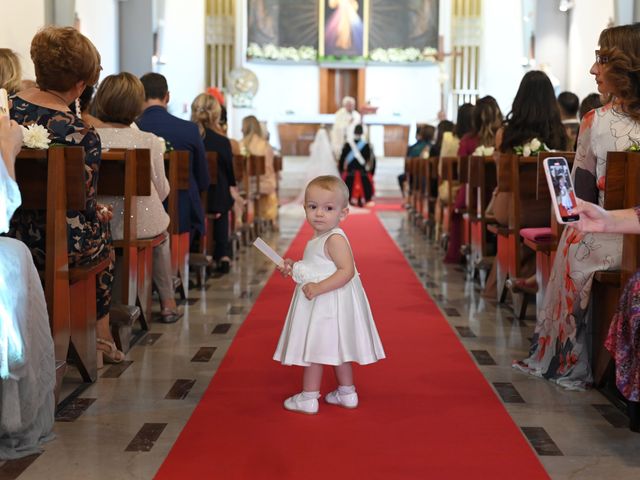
[623,341]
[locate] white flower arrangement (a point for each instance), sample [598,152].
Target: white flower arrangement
[35,136]
[483,151]
[391,55]
[273,52]
[534,147]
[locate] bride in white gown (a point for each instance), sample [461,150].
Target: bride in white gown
[321,162]
[27,365]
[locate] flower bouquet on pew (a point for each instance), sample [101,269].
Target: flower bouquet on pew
[483,151]
[531,148]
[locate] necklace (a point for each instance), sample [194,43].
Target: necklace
[64,101]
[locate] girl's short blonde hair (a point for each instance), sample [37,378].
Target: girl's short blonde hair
[333,184]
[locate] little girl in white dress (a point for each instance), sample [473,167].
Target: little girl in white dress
[329,320]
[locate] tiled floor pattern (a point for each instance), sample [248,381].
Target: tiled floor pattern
[123,426]
[577,435]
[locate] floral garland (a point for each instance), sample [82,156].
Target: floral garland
[534,147]
[393,55]
[273,52]
[308,53]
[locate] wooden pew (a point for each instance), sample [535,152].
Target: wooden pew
[621,191]
[463,174]
[54,180]
[240,170]
[545,245]
[482,182]
[450,174]
[412,172]
[503,232]
[127,173]
[177,166]
[524,182]
[430,197]
[256,168]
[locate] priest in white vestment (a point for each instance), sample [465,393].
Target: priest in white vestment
[346,120]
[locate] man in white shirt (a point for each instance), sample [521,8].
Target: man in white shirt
[346,120]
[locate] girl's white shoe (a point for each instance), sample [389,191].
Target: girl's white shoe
[346,400]
[301,404]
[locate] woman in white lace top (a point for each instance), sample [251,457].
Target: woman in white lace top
[117,103]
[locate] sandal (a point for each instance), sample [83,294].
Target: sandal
[168,315]
[112,355]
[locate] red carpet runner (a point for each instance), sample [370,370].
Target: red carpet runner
[426,412]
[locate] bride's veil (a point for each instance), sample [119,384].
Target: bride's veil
[321,159]
[321,162]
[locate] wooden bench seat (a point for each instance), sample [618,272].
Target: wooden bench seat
[177,166]
[54,180]
[127,173]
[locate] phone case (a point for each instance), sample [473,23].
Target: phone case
[554,199]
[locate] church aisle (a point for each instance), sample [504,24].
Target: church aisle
[425,411]
[581,441]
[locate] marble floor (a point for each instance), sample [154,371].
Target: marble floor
[123,426]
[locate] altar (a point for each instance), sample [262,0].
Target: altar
[389,136]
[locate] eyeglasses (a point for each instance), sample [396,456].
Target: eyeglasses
[601,59]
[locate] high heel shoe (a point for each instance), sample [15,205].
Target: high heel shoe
[112,355]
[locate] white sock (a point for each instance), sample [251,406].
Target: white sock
[310,395]
[346,389]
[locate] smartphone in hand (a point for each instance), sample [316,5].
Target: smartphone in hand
[4,103]
[563,196]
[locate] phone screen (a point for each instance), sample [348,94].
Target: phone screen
[562,188]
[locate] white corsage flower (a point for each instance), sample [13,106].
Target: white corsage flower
[526,150]
[301,273]
[35,136]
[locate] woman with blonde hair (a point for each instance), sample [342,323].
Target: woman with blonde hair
[10,71]
[254,143]
[205,113]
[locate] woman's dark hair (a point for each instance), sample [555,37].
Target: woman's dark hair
[487,119]
[464,122]
[443,126]
[590,102]
[534,114]
[426,133]
[621,46]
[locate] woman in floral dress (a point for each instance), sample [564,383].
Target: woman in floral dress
[65,63]
[559,351]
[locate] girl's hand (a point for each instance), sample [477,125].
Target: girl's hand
[311,290]
[592,218]
[286,268]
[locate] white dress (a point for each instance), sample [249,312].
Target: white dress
[27,365]
[334,327]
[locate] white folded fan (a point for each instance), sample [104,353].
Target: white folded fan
[269,252]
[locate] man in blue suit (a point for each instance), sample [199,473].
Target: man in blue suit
[182,135]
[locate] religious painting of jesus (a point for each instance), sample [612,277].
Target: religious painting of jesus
[344,28]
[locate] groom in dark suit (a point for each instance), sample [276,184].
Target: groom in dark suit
[182,135]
